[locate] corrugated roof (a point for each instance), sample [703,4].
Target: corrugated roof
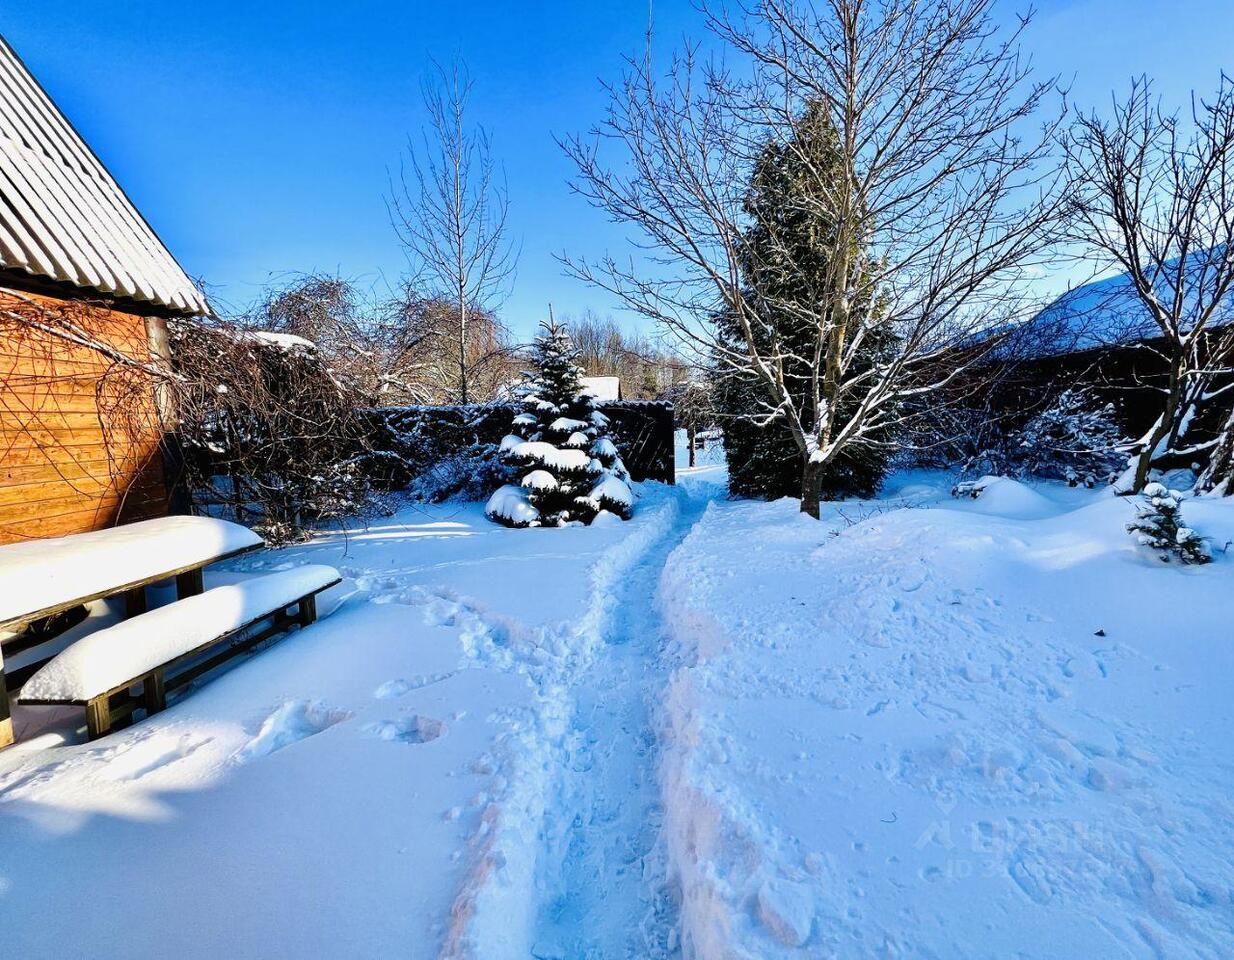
[62,215]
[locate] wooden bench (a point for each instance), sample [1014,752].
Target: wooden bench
[168,648]
[40,579]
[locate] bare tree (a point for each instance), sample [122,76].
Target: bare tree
[693,409]
[646,370]
[449,210]
[1153,196]
[935,201]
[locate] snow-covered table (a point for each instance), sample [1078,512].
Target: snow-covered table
[39,578]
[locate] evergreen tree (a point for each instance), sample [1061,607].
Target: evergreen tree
[569,469]
[784,269]
[1159,526]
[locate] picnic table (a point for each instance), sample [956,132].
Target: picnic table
[41,578]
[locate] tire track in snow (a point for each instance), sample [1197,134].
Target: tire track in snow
[602,885]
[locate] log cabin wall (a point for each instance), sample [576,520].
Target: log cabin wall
[80,432]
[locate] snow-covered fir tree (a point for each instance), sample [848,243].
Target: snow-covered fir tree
[569,469]
[1159,526]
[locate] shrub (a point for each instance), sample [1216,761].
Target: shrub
[1072,440]
[269,435]
[1159,526]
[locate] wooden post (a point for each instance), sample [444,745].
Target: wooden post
[307,610]
[98,717]
[154,692]
[6,719]
[189,583]
[135,603]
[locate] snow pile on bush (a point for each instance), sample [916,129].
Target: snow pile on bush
[1072,440]
[569,469]
[1004,497]
[1159,526]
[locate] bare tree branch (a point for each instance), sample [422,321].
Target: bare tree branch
[449,208]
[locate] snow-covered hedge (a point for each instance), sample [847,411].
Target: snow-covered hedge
[441,452]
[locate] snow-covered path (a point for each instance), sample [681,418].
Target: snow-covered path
[603,888]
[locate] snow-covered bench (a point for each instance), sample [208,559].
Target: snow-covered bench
[44,578]
[167,648]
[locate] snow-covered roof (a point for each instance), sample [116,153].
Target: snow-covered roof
[62,215]
[603,388]
[1104,313]
[284,341]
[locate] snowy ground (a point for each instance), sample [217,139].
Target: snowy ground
[938,728]
[720,730]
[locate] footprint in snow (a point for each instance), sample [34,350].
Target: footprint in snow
[291,722]
[391,689]
[413,729]
[399,687]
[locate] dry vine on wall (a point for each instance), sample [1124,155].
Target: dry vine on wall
[95,428]
[80,424]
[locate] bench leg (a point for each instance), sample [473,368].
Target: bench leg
[135,602]
[306,610]
[154,692]
[98,717]
[6,719]
[189,584]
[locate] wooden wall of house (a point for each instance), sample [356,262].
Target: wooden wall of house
[79,432]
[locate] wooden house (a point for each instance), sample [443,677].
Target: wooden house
[1100,337]
[86,289]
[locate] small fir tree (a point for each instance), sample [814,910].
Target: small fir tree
[569,470]
[1159,526]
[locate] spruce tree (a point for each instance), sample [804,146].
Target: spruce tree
[569,469]
[784,268]
[1159,526]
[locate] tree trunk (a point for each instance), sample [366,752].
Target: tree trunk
[1165,427]
[462,352]
[811,483]
[690,432]
[1219,474]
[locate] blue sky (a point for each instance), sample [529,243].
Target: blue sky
[257,137]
